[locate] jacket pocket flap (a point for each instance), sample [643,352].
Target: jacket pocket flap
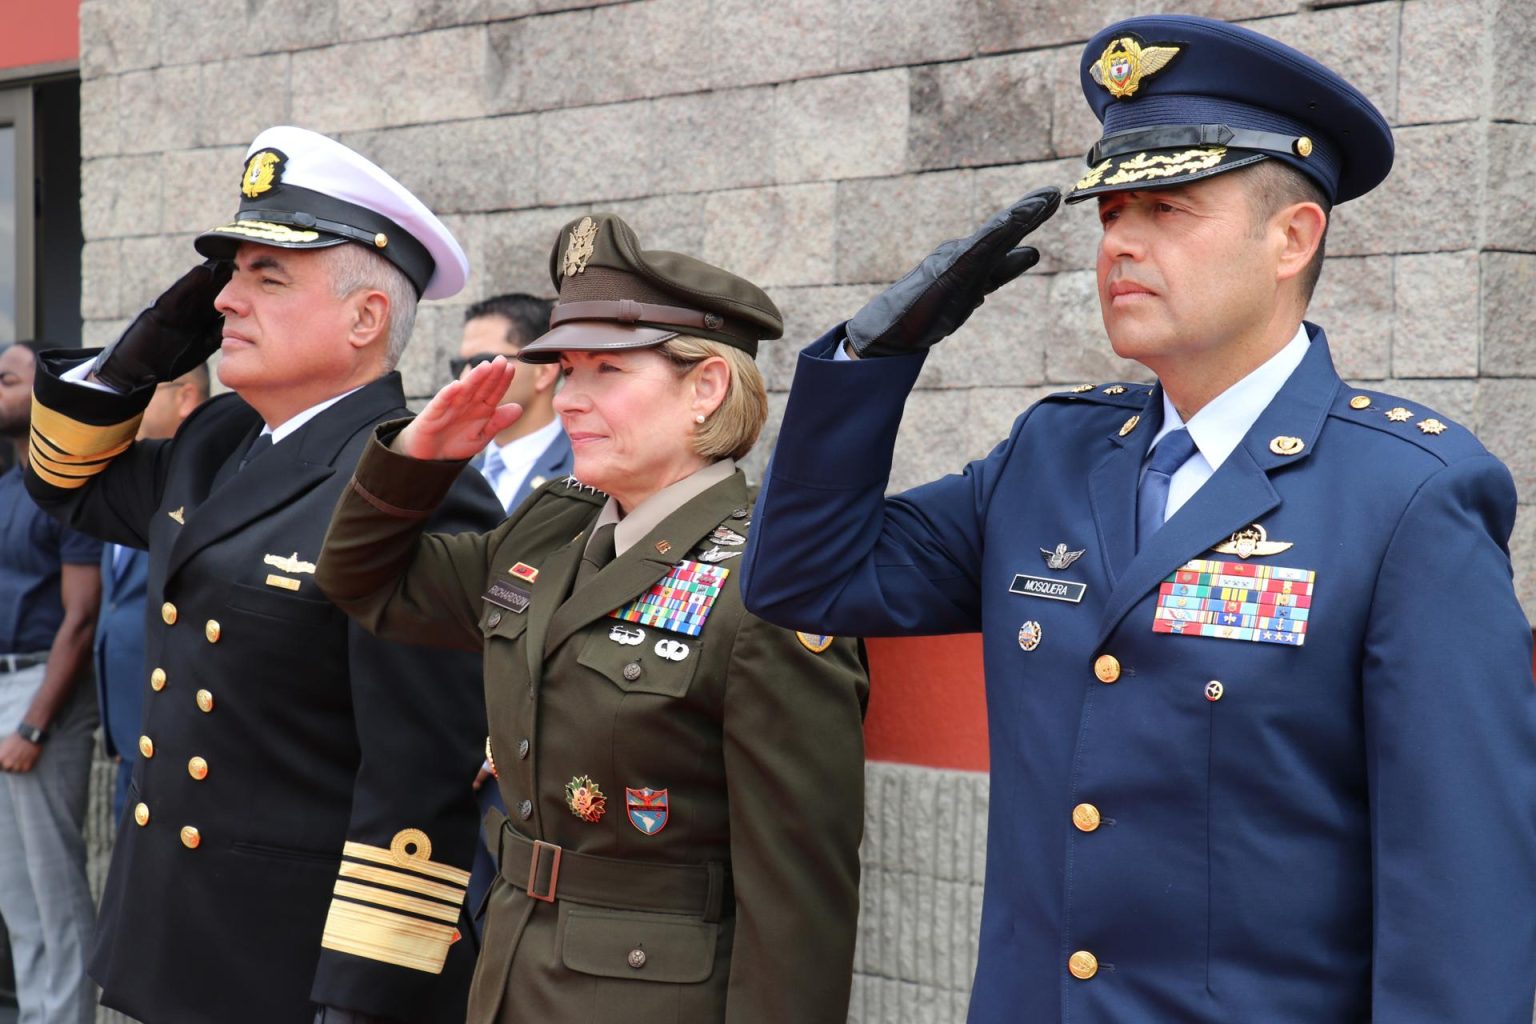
[638,946]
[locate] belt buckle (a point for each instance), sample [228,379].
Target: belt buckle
[539,846]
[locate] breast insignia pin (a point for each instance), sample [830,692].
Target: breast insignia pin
[1252,540]
[1061,558]
[1029,635]
[585,799]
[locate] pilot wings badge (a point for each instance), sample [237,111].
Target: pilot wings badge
[1251,540]
[1061,558]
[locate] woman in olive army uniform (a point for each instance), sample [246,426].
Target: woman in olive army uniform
[685,780]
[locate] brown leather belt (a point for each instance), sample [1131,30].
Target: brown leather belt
[548,872]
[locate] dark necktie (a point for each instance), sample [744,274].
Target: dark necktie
[258,446]
[1171,452]
[599,553]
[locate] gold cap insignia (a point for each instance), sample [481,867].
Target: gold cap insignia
[1286,445]
[289,563]
[580,246]
[1249,541]
[1125,62]
[262,171]
[1431,426]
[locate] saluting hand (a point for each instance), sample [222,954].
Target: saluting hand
[462,418]
[937,295]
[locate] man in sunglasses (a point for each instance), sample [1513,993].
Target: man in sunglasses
[534,450]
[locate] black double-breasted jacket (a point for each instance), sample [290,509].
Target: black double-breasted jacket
[301,822]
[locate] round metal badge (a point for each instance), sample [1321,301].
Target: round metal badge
[1029,635]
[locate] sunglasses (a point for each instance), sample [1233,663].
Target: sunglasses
[457,366]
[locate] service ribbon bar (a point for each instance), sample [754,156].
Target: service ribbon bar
[680,602]
[1236,601]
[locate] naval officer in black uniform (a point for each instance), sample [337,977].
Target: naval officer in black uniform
[299,830]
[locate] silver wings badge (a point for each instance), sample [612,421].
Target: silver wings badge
[1061,558]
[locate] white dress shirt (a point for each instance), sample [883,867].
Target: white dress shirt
[517,458]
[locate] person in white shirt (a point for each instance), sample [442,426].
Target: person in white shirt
[534,450]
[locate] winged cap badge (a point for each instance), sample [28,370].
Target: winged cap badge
[1251,540]
[1125,62]
[1061,558]
[580,246]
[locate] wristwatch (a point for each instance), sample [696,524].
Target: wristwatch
[31,733]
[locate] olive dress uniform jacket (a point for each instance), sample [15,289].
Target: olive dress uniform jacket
[1330,832]
[730,894]
[278,736]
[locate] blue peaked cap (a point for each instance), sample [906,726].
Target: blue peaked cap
[1182,98]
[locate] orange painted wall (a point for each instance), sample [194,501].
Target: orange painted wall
[39,32]
[927,702]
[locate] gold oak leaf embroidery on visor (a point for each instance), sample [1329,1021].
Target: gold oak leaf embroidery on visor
[1150,166]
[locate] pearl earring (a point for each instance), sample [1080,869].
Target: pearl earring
[699,418]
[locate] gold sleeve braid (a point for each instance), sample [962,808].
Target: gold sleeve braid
[66,452]
[403,913]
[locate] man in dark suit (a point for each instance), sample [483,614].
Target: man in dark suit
[1258,682]
[119,653]
[301,824]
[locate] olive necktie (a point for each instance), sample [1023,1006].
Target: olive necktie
[599,553]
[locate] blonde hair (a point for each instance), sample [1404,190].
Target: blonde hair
[733,428]
[354,268]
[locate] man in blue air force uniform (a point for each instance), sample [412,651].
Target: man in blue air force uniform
[1259,689]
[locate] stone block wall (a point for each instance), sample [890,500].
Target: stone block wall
[820,147]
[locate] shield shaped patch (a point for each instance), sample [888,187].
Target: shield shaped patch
[647,809]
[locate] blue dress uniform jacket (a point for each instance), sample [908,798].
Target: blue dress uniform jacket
[1346,833]
[300,823]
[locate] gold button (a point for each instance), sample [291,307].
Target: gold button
[204,701]
[1107,668]
[197,768]
[168,613]
[141,814]
[637,958]
[146,746]
[1086,817]
[190,838]
[1303,147]
[211,631]
[157,680]
[1083,964]
[1360,402]
[381,239]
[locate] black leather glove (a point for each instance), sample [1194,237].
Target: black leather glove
[178,331]
[937,296]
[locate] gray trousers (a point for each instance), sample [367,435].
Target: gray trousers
[45,899]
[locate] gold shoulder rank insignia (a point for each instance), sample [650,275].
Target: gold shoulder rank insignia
[1251,540]
[289,563]
[1129,425]
[1397,414]
[1115,389]
[179,514]
[262,171]
[579,247]
[815,642]
[1082,389]
[1431,426]
[1125,62]
[396,905]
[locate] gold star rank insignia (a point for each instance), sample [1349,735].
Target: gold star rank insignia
[1399,415]
[1125,62]
[1431,426]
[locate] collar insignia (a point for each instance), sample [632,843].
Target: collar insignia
[580,246]
[1251,540]
[289,563]
[262,171]
[179,514]
[1125,62]
[1061,558]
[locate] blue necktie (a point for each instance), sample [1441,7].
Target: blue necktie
[493,468]
[1152,496]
